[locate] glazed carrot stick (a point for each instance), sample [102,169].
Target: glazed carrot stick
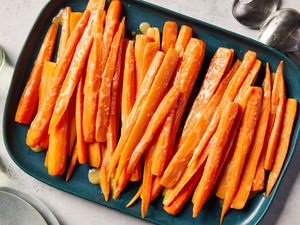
[81,145]
[29,101]
[94,5]
[284,141]
[111,27]
[175,206]
[73,76]
[115,105]
[72,123]
[214,156]
[58,148]
[244,140]
[256,148]
[39,125]
[129,83]
[185,33]
[131,120]
[153,33]
[250,80]
[273,140]
[139,48]
[169,37]
[149,52]
[149,106]
[215,72]
[45,142]
[92,82]
[104,181]
[185,152]
[64,20]
[94,154]
[105,91]
[73,162]
[147,181]
[163,145]
[74,18]
[260,175]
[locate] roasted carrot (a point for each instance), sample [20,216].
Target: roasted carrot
[214,156]
[92,82]
[135,197]
[250,80]
[175,206]
[29,100]
[260,175]
[39,125]
[74,18]
[256,148]
[104,181]
[244,140]
[73,76]
[131,120]
[273,140]
[215,72]
[137,173]
[72,123]
[64,20]
[149,106]
[147,181]
[81,145]
[73,162]
[129,83]
[149,52]
[283,144]
[153,33]
[58,148]
[115,105]
[185,33]
[94,154]
[111,27]
[45,142]
[139,48]
[169,37]
[94,5]
[105,91]
[46,159]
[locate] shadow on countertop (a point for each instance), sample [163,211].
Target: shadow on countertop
[284,191]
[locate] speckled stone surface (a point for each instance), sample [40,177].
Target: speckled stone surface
[16,19]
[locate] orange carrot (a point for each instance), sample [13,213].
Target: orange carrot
[139,48]
[184,36]
[94,5]
[175,206]
[255,151]
[29,101]
[260,175]
[92,82]
[65,32]
[169,37]
[45,142]
[149,52]
[46,159]
[129,86]
[73,76]
[72,123]
[115,105]
[284,141]
[131,120]
[244,140]
[39,125]
[135,197]
[94,154]
[149,106]
[153,33]
[105,91]
[74,18]
[214,156]
[274,136]
[81,145]
[215,72]
[104,181]
[137,173]
[73,162]
[58,148]
[111,27]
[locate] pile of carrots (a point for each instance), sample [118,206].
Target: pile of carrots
[117,105]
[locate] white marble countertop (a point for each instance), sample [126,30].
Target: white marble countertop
[16,19]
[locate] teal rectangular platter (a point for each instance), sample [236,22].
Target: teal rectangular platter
[137,12]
